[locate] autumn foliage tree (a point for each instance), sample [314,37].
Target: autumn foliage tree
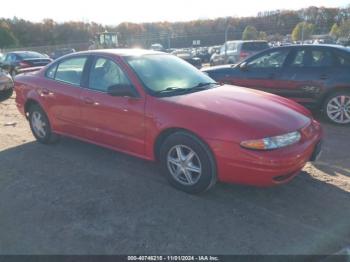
[250,33]
[276,24]
[335,31]
[302,31]
[6,36]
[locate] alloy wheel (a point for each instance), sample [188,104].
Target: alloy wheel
[38,124]
[184,165]
[338,109]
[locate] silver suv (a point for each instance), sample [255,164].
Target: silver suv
[233,52]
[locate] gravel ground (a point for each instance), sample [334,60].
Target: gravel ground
[78,198]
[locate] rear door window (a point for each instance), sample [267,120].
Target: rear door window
[321,58]
[300,59]
[71,70]
[312,58]
[343,59]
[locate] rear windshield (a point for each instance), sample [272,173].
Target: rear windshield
[255,46]
[28,55]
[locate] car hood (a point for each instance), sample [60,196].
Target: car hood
[257,112]
[214,68]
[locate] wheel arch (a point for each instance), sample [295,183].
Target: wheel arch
[30,102]
[164,134]
[330,92]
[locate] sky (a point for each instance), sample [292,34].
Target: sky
[109,12]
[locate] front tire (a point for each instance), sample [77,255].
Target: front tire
[40,126]
[336,108]
[188,163]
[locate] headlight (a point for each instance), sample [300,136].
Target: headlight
[275,142]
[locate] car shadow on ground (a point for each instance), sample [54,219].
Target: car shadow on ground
[4,97]
[335,159]
[332,170]
[78,198]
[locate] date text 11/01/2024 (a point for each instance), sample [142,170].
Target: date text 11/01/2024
[173,258]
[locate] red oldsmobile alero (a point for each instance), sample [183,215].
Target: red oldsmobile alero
[158,107]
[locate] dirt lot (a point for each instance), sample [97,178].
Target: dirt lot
[78,198]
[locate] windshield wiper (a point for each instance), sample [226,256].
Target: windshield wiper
[202,85]
[170,89]
[198,87]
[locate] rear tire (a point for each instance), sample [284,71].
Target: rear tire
[188,163]
[40,126]
[336,108]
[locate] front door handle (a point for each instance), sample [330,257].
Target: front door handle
[89,101]
[46,92]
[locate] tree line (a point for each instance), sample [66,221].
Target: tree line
[272,25]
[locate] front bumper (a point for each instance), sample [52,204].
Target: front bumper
[317,152]
[6,82]
[6,86]
[265,168]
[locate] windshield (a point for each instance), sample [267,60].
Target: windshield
[160,72]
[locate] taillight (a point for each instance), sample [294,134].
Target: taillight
[24,64]
[243,55]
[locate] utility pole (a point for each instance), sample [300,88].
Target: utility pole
[226,36]
[302,33]
[303,26]
[168,41]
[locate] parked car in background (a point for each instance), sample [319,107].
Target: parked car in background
[214,49]
[19,61]
[158,47]
[235,51]
[188,56]
[203,54]
[316,76]
[61,52]
[6,85]
[156,106]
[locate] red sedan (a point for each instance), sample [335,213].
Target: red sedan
[158,107]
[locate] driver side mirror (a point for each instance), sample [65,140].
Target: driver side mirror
[244,66]
[122,90]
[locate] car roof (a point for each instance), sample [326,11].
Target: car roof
[247,41]
[22,52]
[315,45]
[122,52]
